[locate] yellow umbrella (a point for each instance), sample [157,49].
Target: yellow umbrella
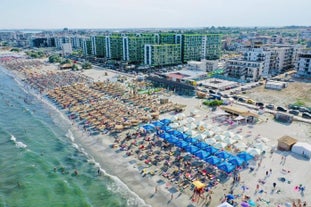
[198,184]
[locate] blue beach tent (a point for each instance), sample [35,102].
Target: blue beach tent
[226,167]
[164,135]
[181,144]
[166,128]
[202,154]
[166,121]
[201,145]
[235,160]
[245,156]
[223,154]
[211,149]
[172,140]
[157,124]
[182,136]
[192,149]
[149,127]
[213,160]
[191,140]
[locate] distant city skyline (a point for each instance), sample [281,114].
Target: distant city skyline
[56,14]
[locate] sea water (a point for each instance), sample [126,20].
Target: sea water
[38,158]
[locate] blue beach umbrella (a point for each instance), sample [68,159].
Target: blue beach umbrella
[211,149]
[235,160]
[245,156]
[166,128]
[181,144]
[201,154]
[201,145]
[230,196]
[149,127]
[223,154]
[164,135]
[166,121]
[157,124]
[213,160]
[192,149]
[226,167]
[182,135]
[174,132]
[172,140]
[191,140]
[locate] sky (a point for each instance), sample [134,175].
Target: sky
[57,14]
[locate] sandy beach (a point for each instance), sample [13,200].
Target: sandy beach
[285,169]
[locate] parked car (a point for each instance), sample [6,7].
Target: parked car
[260,104]
[280,108]
[294,107]
[304,109]
[270,106]
[306,115]
[241,100]
[211,91]
[235,97]
[250,101]
[226,95]
[294,112]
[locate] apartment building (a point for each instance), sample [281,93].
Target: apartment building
[244,69]
[133,47]
[163,54]
[303,64]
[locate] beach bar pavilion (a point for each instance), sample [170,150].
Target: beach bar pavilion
[285,143]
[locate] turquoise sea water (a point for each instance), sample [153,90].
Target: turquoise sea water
[38,158]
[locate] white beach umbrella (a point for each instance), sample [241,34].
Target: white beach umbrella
[191,126]
[229,140]
[194,112]
[217,129]
[228,134]
[237,137]
[240,145]
[183,122]
[183,129]
[210,141]
[209,133]
[174,125]
[191,133]
[200,123]
[181,116]
[220,145]
[260,146]
[190,120]
[219,137]
[174,118]
[264,139]
[253,151]
[200,136]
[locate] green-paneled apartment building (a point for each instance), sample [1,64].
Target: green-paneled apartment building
[213,47]
[87,47]
[132,47]
[163,54]
[99,46]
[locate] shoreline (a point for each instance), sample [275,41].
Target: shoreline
[99,148]
[138,186]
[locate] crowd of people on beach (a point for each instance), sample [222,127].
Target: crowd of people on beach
[102,107]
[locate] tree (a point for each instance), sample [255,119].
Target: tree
[75,67]
[55,59]
[66,61]
[87,65]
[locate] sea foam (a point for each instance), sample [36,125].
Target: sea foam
[18,144]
